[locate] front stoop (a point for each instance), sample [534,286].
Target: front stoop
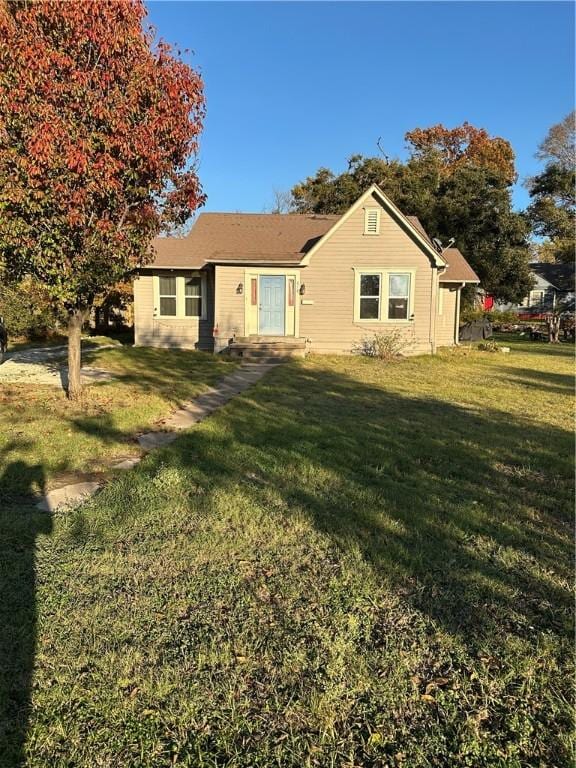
[267,348]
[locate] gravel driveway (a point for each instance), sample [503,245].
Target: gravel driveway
[46,366]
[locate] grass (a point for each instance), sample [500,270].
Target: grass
[352,564]
[43,435]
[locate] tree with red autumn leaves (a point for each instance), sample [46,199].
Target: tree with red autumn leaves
[98,127]
[464,144]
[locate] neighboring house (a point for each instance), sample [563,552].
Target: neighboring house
[553,289]
[301,282]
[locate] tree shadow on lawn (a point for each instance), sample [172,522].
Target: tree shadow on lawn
[173,374]
[524,345]
[548,381]
[466,512]
[103,426]
[20,525]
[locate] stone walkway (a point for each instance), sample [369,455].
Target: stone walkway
[191,413]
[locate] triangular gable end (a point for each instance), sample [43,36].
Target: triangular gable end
[396,214]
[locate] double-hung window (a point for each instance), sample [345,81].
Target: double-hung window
[179,296]
[398,295]
[384,295]
[167,295]
[193,297]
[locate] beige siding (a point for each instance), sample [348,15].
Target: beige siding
[325,313]
[228,305]
[446,321]
[329,280]
[143,311]
[186,333]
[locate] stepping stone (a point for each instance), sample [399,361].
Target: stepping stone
[127,463]
[67,496]
[215,398]
[151,440]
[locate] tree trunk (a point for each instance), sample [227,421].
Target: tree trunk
[554,330]
[75,321]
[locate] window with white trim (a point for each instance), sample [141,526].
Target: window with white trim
[370,296]
[181,296]
[536,298]
[533,299]
[167,295]
[384,295]
[372,221]
[398,295]
[193,297]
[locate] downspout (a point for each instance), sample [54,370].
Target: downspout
[433,308]
[457,318]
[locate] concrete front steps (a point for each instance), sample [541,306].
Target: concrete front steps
[275,349]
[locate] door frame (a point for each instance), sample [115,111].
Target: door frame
[291,313]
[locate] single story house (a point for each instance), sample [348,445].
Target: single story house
[301,282]
[553,288]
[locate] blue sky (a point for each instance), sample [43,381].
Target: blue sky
[294,86]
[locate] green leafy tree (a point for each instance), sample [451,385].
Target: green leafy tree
[97,128]
[552,212]
[475,208]
[458,183]
[27,310]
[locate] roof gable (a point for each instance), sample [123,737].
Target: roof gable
[409,223]
[559,276]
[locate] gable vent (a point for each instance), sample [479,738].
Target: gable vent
[371,221]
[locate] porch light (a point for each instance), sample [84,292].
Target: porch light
[240,289]
[302,289]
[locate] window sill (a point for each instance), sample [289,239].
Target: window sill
[385,322]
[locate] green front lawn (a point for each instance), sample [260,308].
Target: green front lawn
[352,564]
[43,435]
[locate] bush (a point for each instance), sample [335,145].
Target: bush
[384,346]
[488,346]
[495,316]
[27,311]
